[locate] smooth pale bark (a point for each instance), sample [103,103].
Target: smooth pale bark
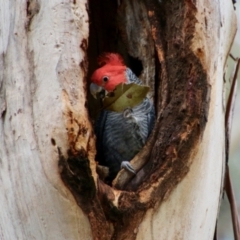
[42,89]
[40,80]
[191,210]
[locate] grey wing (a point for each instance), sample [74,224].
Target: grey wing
[146,112]
[147,105]
[108,140]
[99,131]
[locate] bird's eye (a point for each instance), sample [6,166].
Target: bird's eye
[105,78]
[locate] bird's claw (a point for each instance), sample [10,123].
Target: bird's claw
[127,165]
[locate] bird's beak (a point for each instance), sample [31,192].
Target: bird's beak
[94,89]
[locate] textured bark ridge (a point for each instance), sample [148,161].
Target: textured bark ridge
[161,39]
[182,97]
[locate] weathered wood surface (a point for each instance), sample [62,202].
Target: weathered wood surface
[191,210]
[42,44]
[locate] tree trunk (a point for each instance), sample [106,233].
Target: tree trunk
[50,188]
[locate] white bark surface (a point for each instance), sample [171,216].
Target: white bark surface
[41,81]
[39,70]
[191,210]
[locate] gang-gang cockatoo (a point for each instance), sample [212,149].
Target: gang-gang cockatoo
[120,135]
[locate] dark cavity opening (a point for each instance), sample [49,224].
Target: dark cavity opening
[105,36]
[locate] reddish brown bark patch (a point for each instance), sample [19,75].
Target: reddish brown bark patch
[182,92]
[76,175]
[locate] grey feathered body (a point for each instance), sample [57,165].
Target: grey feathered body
[120,136]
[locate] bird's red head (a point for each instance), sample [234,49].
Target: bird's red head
[112,71]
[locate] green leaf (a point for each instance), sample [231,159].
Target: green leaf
[125,96]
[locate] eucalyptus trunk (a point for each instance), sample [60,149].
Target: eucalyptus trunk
[49,185]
